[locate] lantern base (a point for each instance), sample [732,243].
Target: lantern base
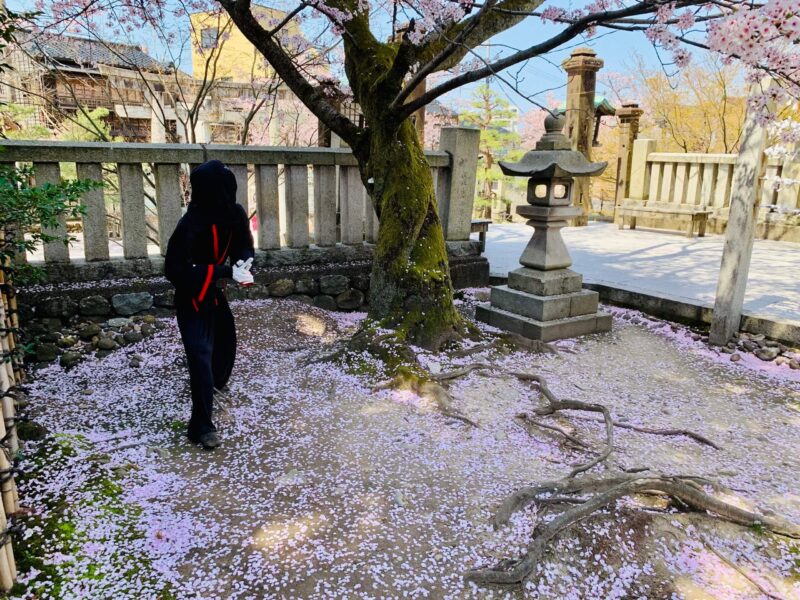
[545,283]
[546,331]
[544,308]
[544,305]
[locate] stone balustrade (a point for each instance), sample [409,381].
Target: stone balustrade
[698,179]
[300,197]
[704,181]
[313,220]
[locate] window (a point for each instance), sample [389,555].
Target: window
[209,37]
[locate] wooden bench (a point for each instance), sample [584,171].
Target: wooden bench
[481,226]
[693,217]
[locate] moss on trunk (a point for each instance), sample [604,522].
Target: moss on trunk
[411,288]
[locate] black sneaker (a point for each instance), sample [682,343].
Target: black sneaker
[209,440]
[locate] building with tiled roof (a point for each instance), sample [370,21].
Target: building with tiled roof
[72,52]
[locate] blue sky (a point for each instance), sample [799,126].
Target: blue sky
[617,49]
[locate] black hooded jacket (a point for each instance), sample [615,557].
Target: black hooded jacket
[214,229]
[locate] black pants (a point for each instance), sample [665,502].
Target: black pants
[209,338]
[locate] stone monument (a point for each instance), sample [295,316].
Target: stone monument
[544,299]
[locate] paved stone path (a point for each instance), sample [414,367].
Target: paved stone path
[324,489]
[664,264]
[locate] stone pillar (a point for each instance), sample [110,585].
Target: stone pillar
[787,195]
[627,129]
[581,67]
[639,175]
[461,143]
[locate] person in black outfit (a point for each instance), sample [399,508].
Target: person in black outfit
[215,229]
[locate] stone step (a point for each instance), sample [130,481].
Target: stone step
[544,308]
[546,331]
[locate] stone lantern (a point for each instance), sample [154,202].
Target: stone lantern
[544,300]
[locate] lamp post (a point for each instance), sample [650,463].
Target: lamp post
[544,299]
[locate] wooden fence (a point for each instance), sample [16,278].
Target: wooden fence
[11,375]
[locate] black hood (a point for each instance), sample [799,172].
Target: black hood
[213,189]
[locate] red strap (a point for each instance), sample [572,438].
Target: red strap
[216,241]
[224,252]
[209,273]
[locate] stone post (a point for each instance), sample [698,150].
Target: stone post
[627,129]
[639,178]
[739,232]
[581,67]
[787,195]
[461,143]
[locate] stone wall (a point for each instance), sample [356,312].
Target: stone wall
[92,306]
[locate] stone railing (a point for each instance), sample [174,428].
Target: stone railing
[699,180]
[704,181]
[301,197]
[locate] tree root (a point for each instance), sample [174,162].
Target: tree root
[555,405]
[700,439]
[527,419]
[607,491]
[506,342]
[430,390]
[588,494]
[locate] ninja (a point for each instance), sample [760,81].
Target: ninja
[213,231]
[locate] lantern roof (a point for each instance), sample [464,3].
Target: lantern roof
[553,156]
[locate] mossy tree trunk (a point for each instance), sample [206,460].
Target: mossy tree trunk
[411,290]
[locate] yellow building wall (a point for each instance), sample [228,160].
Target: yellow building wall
[233,57]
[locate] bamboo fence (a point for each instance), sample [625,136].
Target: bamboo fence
[11,375]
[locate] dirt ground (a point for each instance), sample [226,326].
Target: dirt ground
[325,489]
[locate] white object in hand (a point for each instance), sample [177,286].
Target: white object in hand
[241,272]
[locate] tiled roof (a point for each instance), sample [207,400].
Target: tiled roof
[67,50]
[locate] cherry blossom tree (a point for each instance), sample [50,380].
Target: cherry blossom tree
[391,47]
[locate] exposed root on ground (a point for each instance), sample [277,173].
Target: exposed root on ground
[554,405]
[429,390]
[528,420]
[592,494]
[585,495]
[404,369]
[505,343]
[700,439]
[577,496]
